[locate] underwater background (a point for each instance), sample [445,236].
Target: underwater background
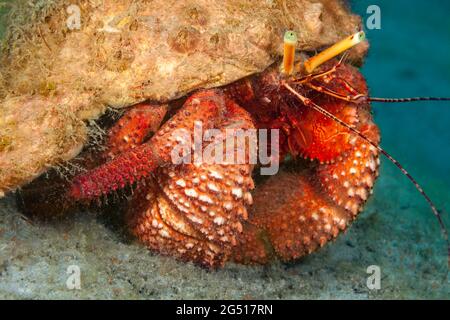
[409,56]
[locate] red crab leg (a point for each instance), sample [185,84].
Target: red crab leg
[289,225]
[133,127]
[43,197]
[141,161]
[195,212]
[321,203]
[349,180]
[355,98]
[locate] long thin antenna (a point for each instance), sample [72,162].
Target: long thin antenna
[310,103]
[389,100]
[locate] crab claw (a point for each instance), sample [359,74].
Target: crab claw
[301,209]
[141,161]
[195,211]
[46,197]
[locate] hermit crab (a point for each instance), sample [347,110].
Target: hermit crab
[198,195]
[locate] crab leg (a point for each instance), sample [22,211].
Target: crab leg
[122,143]
[195,212]
[349,180]
[289,225]
[320,204]
[355,98]
[133,128]
[43,197]
[321,74]
[140,162]
[324,196]
[124,169]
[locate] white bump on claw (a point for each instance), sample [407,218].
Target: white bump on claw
[228,205]
[189,245]
[362,193]
[191,193]
[164,234]
[369,181]
[196,219]
[205,198]
[248,198]
[213,187]
[181,183]
[237,192]
[216,175]
[350,192]
[219,220]
[372,165]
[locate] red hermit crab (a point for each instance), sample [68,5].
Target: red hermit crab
[198,209]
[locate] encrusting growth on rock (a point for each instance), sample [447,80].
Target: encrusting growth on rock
[57,76]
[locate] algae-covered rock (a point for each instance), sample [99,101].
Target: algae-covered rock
[65,62]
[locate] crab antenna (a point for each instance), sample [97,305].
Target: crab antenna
[290,41]
[389,100]
[336,49]
[310,103]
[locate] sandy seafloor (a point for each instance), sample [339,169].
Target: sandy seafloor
[397,231]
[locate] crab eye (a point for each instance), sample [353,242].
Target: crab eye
[359,37]
[290,37]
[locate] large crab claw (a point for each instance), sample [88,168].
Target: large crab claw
[301,209]
[189,210]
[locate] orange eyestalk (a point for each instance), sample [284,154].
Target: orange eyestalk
[290,42]
[336,49]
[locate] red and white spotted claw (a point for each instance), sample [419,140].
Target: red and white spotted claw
[195,211]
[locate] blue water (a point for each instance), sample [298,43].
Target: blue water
[410,56]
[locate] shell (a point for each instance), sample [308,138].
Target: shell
[53,79]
